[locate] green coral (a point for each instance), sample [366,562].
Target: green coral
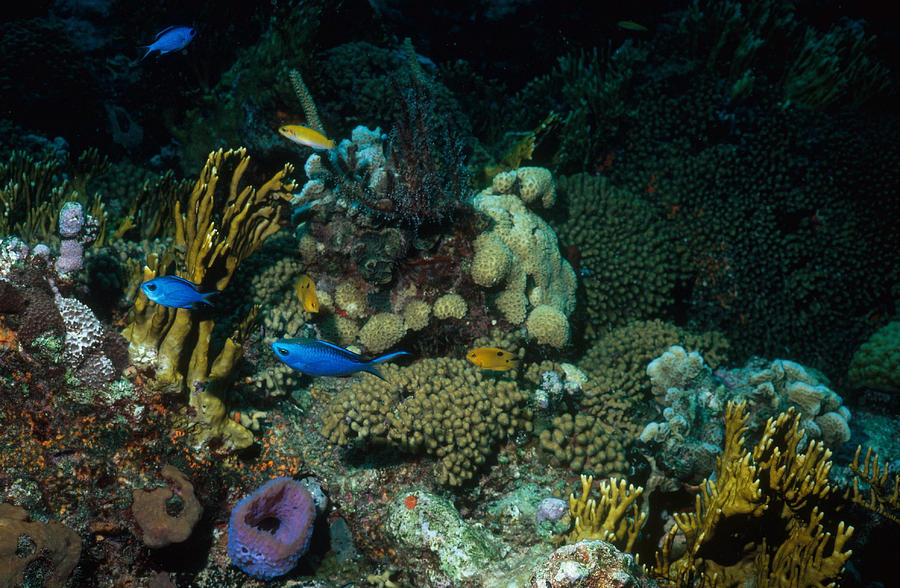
[876,364]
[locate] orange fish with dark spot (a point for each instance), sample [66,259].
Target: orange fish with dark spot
[492,358]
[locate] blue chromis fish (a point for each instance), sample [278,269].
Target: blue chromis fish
[492,358]
[175,292]
[306,136]
[320,358]
[169,39]
[306,292]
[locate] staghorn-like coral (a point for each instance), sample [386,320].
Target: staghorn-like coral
[617,517]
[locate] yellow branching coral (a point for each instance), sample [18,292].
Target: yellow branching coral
[882,497]
[617,518]
[216,230]
[774,484]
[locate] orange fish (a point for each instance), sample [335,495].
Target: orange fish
[306,136]
[306,293]
[491,358]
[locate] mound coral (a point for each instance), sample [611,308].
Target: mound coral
[521,249]
[876,364]
[443,407]
[269,530]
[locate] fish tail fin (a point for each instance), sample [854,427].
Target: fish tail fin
[370,367]
[149,50]
[207,296]
[374,371]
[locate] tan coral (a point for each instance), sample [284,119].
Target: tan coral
[382,331]
[350,298]
[416,315]
[548,326]
[492,260]
[450,306]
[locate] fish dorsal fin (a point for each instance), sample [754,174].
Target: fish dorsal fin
[163,32]
[339,349]
[184,281]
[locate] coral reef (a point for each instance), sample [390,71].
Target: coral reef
[269,530]
[158,527]
[589,563]
[616,518]
[24,542]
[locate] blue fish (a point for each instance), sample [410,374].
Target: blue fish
[175,292]
[320,358]
[170,39]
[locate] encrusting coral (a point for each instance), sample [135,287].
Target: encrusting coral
[159,528]
[53,541]
[217,232]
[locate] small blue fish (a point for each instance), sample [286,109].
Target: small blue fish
[320,358]
[170,39]
[175,292]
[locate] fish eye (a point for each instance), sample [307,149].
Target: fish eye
[151,287]
[499,354]
[282,350]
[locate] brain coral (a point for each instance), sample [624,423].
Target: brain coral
[443,407]
[533,252]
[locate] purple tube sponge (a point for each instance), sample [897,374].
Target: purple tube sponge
[270,529]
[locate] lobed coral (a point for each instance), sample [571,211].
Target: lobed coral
[876,364]
[520,254]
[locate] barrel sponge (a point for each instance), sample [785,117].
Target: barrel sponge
[269,530]
[382,331]
[876,364]
[416,315]
[492,260]
[450,306]
[350,299]
[548,326]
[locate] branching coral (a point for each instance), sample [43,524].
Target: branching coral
[882,498]
[443,407]
[217,232]
[777,485]
[616,518]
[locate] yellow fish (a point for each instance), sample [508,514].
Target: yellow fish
[306,292]
[306,136]
[491,358]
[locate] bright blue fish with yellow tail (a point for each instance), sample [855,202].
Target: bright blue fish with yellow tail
[320,358]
